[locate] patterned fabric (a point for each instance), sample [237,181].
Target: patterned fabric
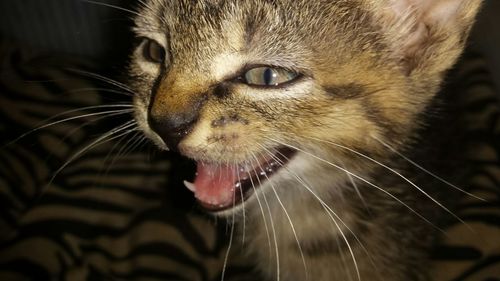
[471,251]
[118,210]
[104,216]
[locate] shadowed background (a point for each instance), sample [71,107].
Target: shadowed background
[77,27]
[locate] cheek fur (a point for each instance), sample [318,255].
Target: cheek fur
[373,69]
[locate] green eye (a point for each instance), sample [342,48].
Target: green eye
[269,76]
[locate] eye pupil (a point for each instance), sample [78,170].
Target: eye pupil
[269,76]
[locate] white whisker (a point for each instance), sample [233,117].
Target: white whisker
[41,127]
[123,150]
[113,6]
[103,139]
[272,226]
[228,247]
[363,180]
[329,212]
[286,214]
[396,173]
[140,140]
[427,171]
[87,123]
[105,90]
[325,206]
[263,218]
[243,204]
[103,79]
[358,192]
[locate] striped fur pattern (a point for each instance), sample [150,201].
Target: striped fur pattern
[107,216]
[357,100]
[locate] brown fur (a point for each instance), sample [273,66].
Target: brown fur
[370,71]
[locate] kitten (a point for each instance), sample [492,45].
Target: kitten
[297,113]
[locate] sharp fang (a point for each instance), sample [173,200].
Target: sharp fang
[190,186]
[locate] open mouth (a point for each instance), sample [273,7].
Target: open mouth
[219,187]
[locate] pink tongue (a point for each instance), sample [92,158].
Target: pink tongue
[215,184]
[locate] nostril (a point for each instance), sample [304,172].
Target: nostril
[172,128]
[173,117]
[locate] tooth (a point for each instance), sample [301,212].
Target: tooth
[190,186]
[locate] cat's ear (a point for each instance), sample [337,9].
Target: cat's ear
[428,35]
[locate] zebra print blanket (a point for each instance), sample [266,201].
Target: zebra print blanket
[83,201]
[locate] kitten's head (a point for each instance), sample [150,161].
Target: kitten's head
[245,87]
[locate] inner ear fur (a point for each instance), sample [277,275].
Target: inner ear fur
[427,35]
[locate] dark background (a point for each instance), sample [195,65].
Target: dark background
[92,29]
[86,28]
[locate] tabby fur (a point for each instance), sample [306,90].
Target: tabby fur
[370,71]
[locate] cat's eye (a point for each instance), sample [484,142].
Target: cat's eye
[269,76]
[153,51]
